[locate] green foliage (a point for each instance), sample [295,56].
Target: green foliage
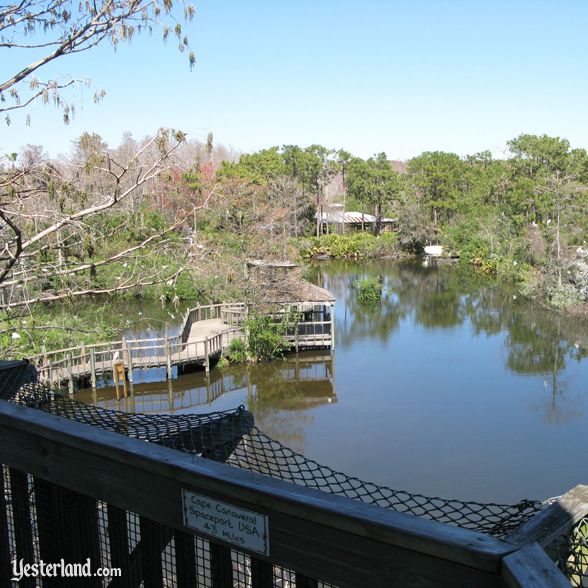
[438,179]
[57,328]
[351,245]
[369,290]
[561,297]
[257,168]
[266,340]
[237,351]
[223,362]
[373,182]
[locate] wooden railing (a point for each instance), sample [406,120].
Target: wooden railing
[304,534]
[232,313]
[96,359]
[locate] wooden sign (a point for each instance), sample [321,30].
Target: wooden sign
[118,373]
[220,520]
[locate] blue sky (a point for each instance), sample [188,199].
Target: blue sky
[396,76]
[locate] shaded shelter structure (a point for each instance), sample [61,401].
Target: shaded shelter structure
[341,221]
[281,289]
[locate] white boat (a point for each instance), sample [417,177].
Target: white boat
[434,250]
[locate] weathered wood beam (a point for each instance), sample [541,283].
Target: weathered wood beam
[315,533]
[555,521]
[530,567]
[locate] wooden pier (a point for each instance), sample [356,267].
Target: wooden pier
[206,333]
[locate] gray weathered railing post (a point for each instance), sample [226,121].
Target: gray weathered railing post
[70,383]
[93,367]
[127,352]
[332,326]
[84,362]
[530,567]
[206,358]
[168,362]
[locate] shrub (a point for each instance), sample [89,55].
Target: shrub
[351,245]
[237,351]
[265,339]
[369,290]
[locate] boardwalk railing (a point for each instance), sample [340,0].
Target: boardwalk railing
[167,518]
[91,361]
[234,313]
[88,362]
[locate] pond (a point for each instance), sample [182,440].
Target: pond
[451,386]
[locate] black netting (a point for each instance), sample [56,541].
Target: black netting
[230,436]
[573,554]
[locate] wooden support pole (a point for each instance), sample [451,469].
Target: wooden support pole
[304,582]
[206,357]
[119,547]
[129,360]
[84,362]
[170,396]
[262,574]
[221,566]
[5,555]
[152,547]
[21,513]
[332,326]
[167,351]
[93,367]
[70,383]
[118,374]
[185,559]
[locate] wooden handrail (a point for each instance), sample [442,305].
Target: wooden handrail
[110,346]
[317,534]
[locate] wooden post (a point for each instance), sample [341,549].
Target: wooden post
[185,560]
[5,555]
[262,574]
[118,373]
[170,396]
[168,364]
[84,364]
[70,383]
[332,327]
[93,367]
[23,530]
[221,566]
[50,372]
[127,349]
[206,358]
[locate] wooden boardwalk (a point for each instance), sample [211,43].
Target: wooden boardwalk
[206,333]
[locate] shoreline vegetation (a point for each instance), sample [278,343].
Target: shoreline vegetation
[185,233]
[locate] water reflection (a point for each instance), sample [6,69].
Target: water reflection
[538,341]
[277,393]
[450,386]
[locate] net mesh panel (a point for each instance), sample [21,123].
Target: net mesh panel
[41,520]
[231,437]
[573,555]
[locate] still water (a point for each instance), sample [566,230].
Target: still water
[451,386]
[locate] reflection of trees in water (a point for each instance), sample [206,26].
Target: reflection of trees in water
[280,393]
[537,341]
